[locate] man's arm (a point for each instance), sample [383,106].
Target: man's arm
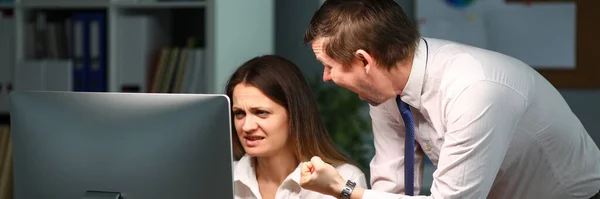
[481,122]
[387,166]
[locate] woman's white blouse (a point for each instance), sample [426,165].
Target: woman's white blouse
[246,186]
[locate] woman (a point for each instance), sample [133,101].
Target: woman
[277,126]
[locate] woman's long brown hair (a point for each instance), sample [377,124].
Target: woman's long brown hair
[282,81]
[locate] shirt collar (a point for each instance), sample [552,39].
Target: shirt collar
[412,91]
[244,172]
[295,175]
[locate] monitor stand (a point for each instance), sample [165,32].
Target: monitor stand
[101,195]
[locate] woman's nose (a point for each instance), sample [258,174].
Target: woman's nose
[249,124]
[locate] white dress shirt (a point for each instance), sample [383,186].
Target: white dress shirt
[492,126]
[246,186]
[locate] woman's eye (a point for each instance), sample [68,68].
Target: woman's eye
[262,113]
[239,114]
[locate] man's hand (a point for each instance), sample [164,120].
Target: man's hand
[321,177]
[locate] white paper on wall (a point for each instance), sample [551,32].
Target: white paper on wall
[542,35]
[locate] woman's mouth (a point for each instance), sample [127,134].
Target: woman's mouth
[254,138]
[252,141]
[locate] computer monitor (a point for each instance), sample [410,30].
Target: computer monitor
[121,145]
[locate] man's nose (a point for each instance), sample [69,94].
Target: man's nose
[326,76]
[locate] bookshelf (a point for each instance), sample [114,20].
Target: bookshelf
[218,36]
[57,4]
[182,4]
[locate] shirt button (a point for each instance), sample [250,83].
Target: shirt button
[428,148]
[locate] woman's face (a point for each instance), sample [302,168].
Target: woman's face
[261,124]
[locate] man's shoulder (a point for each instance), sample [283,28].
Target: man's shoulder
[455,67]
[436,46]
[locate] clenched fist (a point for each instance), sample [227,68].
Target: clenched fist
[321,177]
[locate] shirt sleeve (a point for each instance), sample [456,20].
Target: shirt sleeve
[360,179]
[354,174]
[387,166]
[480,125]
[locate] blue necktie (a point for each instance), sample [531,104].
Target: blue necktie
[409,147]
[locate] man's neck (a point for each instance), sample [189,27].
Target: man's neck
[275,169]
[400,73]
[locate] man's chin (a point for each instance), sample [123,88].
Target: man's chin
[372,103]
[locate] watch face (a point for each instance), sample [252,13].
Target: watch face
[346,191]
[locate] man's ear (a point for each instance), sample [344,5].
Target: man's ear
[366,59]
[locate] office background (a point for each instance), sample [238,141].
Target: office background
[231,36]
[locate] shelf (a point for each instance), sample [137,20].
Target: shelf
[152,5]
[172,19]
[62,4]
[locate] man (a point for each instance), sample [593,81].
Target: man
[492,126]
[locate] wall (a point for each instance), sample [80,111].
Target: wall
[584,104]
[292,18]
[543,37]
[234,50]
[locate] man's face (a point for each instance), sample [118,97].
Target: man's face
[368,82]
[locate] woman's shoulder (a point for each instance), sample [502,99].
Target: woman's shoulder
[348,169]
[353,173]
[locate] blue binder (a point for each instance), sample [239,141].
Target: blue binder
[79,57]
[97,63]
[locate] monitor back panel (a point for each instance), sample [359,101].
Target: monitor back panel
[146,146]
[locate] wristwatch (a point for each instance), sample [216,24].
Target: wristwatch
[347,191]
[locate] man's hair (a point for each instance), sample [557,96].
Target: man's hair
[380,27]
